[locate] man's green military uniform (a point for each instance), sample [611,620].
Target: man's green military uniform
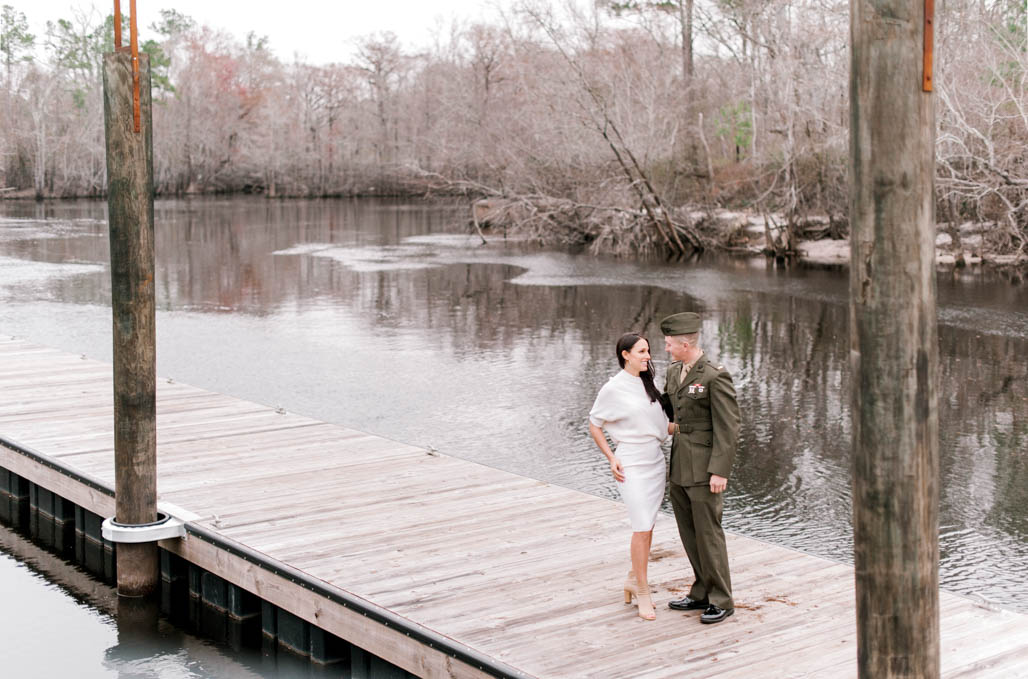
[707,416]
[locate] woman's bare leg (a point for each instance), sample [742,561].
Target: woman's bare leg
[641,541]
[641,555]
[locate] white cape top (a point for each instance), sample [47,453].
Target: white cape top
[624,410]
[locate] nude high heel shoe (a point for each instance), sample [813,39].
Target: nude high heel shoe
[642,597]
[631,587]
[645,603]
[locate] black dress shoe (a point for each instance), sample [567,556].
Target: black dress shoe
[687,604]
[715,614]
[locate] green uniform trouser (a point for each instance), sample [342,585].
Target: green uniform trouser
[698,513]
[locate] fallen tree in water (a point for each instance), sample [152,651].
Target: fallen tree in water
[624,231]
[603,226]
[818,239]
[606,229]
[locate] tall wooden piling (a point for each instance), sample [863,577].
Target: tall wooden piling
[130,214]
[893,342]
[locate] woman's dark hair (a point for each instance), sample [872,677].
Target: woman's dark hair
[626,343]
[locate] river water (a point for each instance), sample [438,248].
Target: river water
[387,317]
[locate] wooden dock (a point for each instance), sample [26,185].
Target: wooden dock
[509,568]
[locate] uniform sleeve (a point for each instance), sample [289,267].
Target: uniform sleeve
[605,407]
[667,406]
[724,412]
[666,402]
[664,435]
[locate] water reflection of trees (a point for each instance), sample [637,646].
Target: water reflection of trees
[222,259]
[791,363]
[490,312]
[216,255]
[983,414]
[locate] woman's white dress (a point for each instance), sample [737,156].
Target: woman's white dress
[638,426]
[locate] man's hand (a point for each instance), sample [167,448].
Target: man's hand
[671,428]
[717,483]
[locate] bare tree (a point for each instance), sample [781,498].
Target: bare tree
[380,58]
[983,95]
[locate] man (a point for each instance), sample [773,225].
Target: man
[705,432]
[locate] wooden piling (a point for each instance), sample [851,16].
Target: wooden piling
[130,215]
[893,343]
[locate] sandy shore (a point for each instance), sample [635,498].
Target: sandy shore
[833,252]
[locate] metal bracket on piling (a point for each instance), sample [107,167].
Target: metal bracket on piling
[166,526]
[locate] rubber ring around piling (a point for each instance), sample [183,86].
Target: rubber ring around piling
[165,527]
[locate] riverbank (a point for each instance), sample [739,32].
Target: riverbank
[837,253]
[382,184]
[955,246]
[816,240]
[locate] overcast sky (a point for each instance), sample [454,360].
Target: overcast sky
[322,31]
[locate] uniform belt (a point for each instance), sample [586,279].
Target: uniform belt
[690,427]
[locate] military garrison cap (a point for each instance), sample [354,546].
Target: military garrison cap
[685,323]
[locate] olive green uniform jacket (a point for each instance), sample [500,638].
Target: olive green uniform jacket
[708,419]
[707,415]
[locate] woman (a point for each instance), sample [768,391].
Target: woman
[628,407]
